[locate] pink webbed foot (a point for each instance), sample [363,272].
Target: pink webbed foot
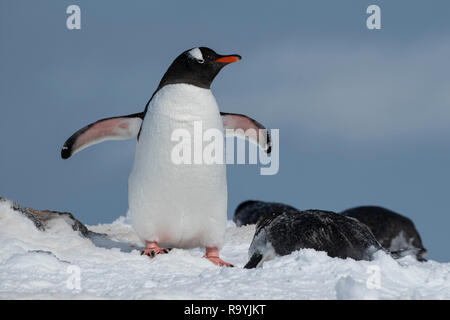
[152,249]
[212,254]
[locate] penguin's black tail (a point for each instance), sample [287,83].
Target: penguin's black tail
[254,261]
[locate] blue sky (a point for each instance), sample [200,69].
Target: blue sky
[364,115]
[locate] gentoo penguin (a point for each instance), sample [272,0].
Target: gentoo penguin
[249,212]
[395,232]
[175,205]
[279,234]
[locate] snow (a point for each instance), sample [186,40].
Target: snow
[61,264]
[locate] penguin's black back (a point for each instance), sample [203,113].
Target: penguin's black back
[339,236]
[387,226]
[249,212]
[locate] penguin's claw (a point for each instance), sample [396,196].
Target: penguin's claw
[152,250]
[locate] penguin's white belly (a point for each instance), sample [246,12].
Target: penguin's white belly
[177,205]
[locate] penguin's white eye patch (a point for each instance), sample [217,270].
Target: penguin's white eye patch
[196,54]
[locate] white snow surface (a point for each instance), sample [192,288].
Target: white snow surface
[40,265]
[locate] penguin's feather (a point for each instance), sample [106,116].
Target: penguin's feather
[240,125]
[116,128]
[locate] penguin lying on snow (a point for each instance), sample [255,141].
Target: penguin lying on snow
[172,205]
[339,236]
[394,231]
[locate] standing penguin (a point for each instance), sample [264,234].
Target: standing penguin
[175,205]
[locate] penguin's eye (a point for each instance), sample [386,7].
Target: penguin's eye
[200,60]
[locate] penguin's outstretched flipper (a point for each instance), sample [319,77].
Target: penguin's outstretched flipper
[241,123]
[116,128]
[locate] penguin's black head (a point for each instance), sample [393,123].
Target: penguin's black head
[197,66]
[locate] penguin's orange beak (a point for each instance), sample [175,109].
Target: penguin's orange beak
[229,59]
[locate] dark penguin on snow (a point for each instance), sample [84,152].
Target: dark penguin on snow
[279,234]
[395,232]
[173,205]
[249,212]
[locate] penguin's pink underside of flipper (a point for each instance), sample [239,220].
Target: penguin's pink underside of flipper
[117,128]
[240,123]
[127,127]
